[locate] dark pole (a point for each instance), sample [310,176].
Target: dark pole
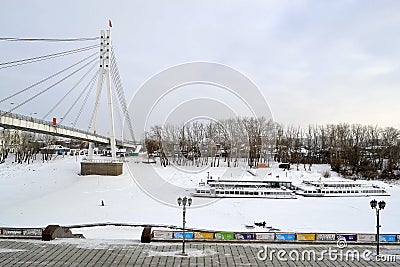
[377,206]
[377,231]
[183,232]
[184,201]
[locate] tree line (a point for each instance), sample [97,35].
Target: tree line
[207,143]
[24,146]
[350,149]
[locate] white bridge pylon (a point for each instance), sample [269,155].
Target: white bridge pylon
[104,72]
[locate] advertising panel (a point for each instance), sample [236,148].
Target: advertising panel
[366,237]
[12,232]
[179,235]
[162,234]
[203,235]
[225,236]
[387,238]
[305,237]
[244,236]
[32,232]
[326,237]
[265,236]
[285,236]
[348,237]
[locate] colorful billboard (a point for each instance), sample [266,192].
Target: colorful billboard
[244,236]
[387,238]
[285,236]
[203,235]
[305,237]
[179,235]
[348,237]
[225,236]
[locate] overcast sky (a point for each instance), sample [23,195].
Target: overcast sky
[315,62]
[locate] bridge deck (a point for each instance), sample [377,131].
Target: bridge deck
[26,123]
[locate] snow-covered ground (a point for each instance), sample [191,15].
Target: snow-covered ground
[40,194]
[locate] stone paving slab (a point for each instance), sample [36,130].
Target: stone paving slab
[82,252]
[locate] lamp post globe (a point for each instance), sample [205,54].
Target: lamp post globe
[373,203]
[381,204]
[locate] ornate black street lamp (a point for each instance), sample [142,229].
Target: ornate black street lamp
[377,206]
[184,201]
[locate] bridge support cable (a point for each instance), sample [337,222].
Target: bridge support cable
[15,63]
[90,85]
[119,114]
[69,92]
[16,39]
[79,97]
[46,79]
[120,92]
[53,85]
[93,119]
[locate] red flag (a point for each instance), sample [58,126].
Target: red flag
[109,23]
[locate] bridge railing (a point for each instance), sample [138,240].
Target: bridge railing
[39,121]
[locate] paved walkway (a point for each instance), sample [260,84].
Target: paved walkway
[83,252]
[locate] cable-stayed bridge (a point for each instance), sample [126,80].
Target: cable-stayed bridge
[101,66]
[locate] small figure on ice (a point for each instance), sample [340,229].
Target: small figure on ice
[260,224]
[102,203]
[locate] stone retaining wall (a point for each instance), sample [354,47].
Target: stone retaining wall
[101,168]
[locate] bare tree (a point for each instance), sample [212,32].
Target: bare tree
[390,142]
[253,127]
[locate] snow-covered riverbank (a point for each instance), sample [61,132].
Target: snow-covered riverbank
[39,194]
